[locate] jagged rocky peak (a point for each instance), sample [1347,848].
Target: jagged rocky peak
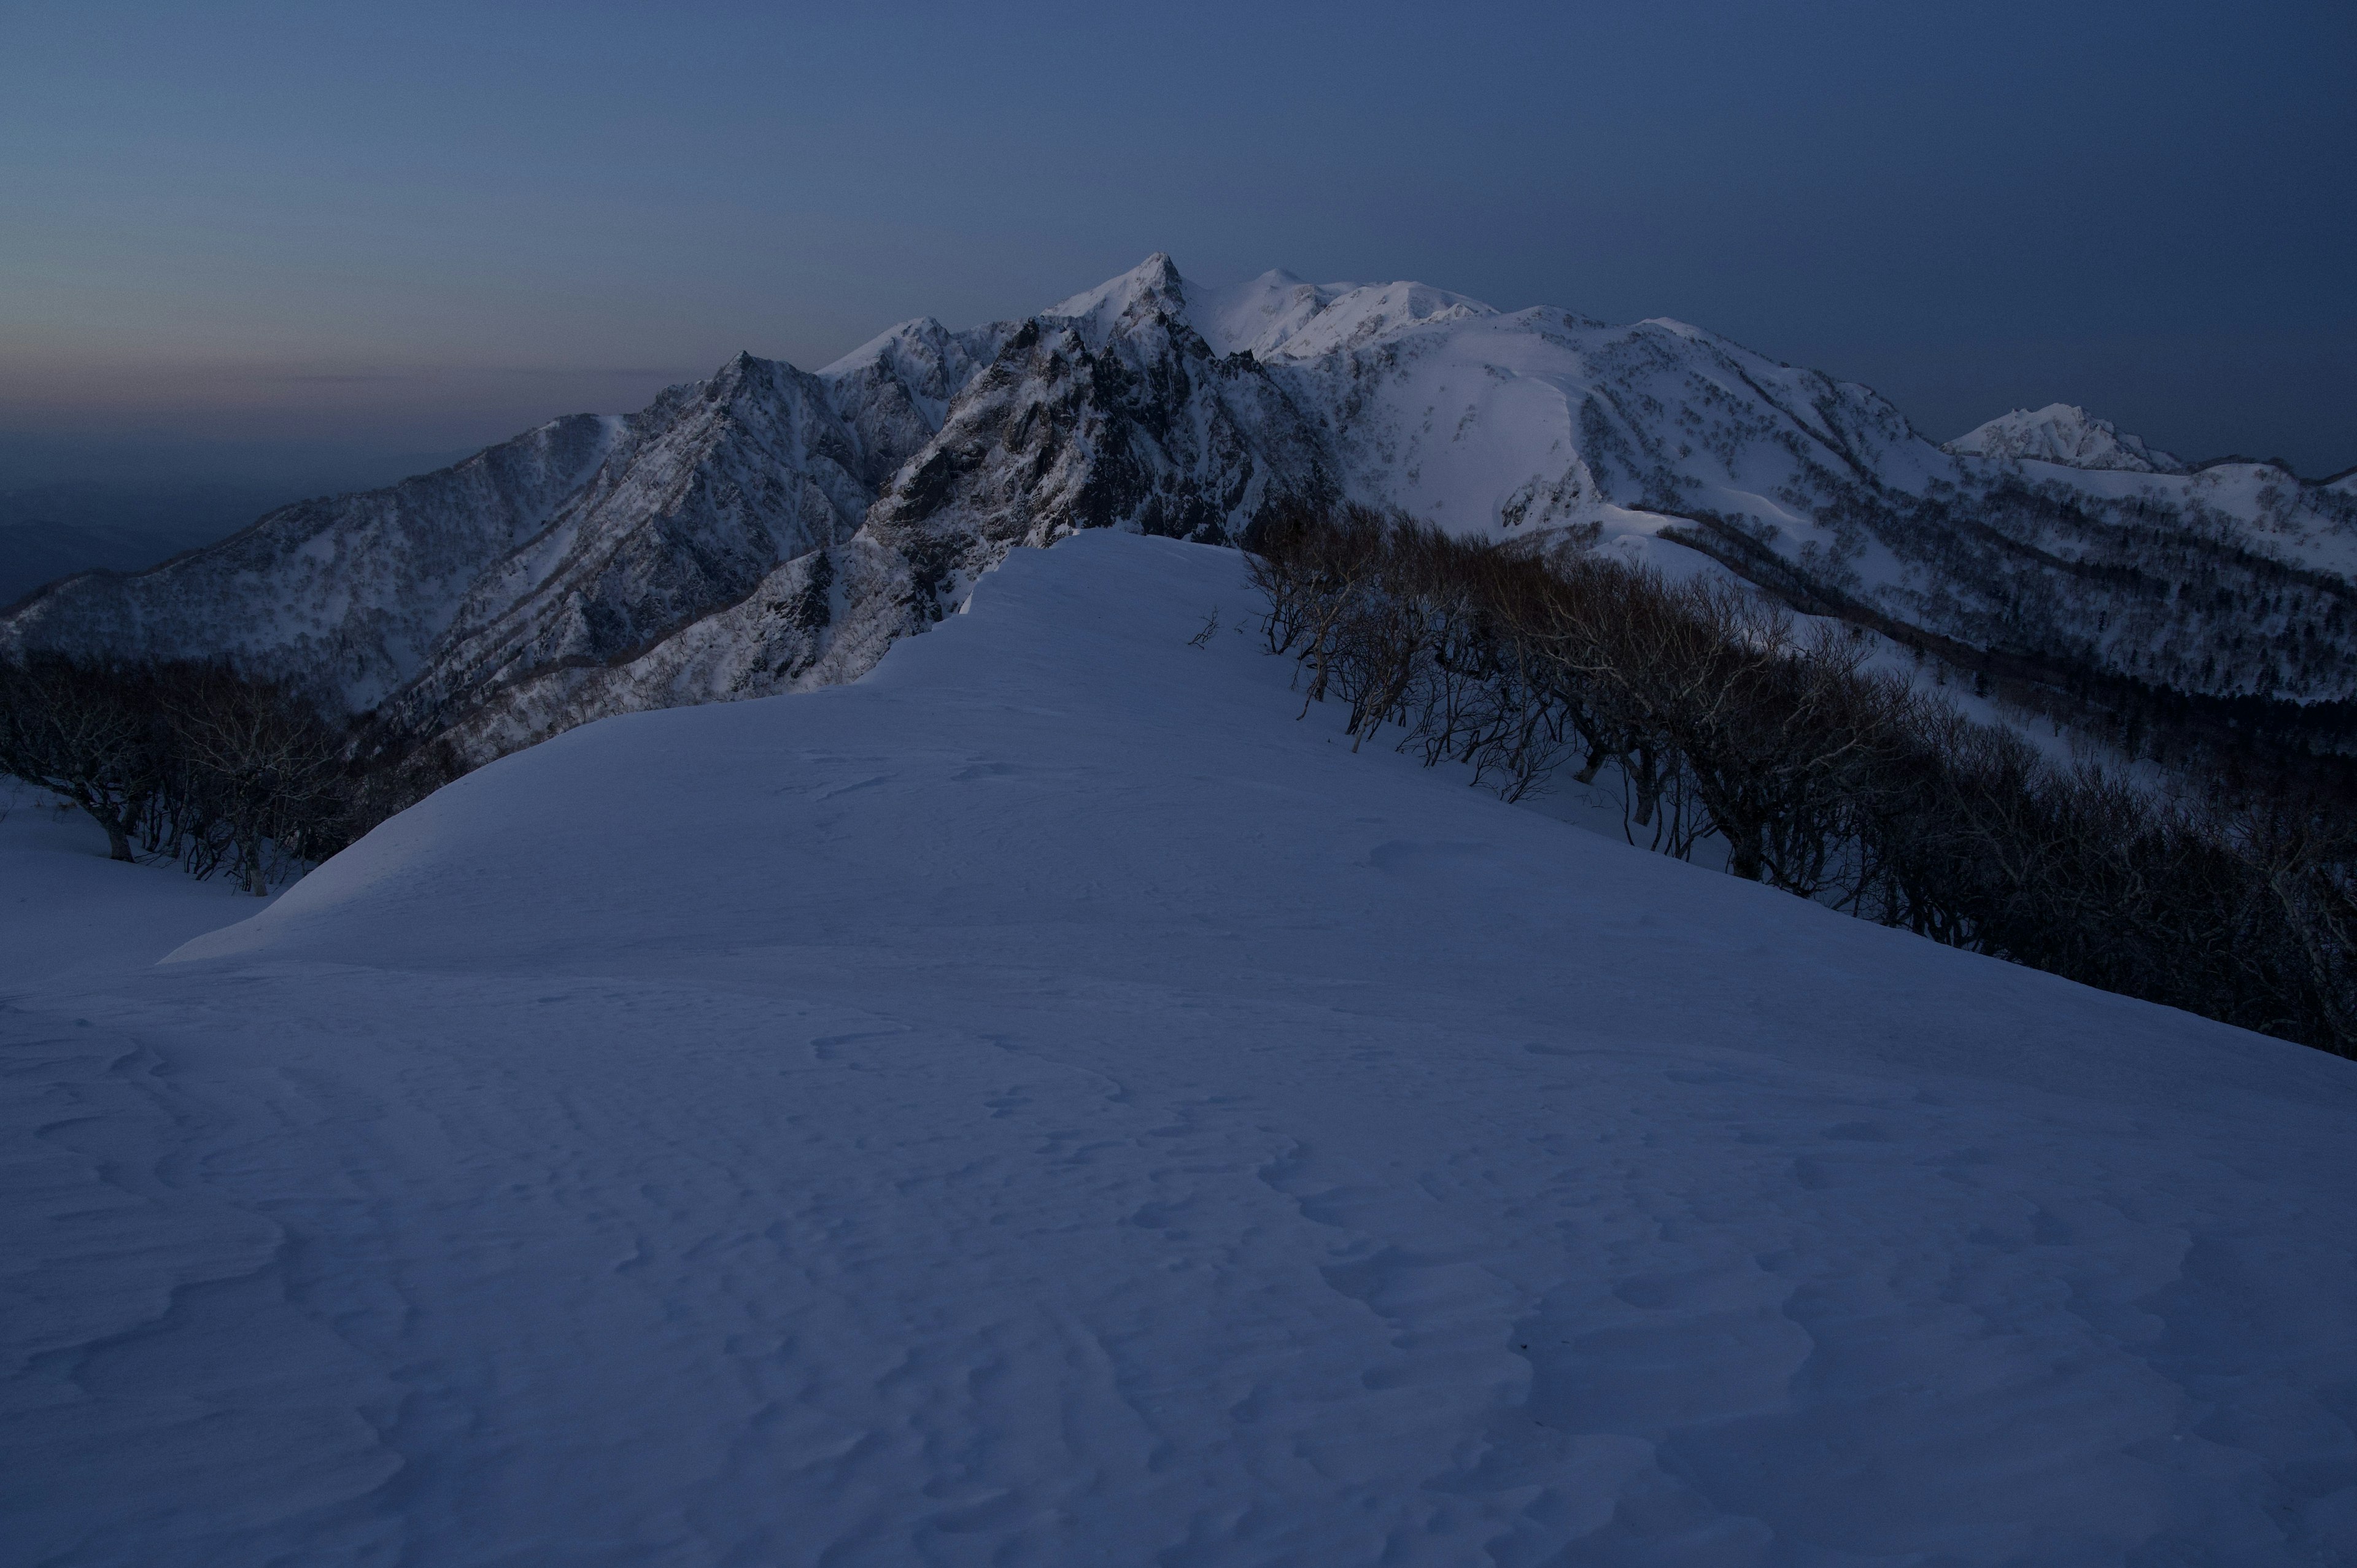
[1106,410]
[722,481]
[2064,434]
[896,389]
[1257,316]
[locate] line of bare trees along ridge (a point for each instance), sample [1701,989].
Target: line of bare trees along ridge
[1722,717]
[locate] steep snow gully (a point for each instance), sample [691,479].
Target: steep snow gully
[1043,1104]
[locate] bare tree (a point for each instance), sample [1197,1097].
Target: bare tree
[1726,719]
[89,732]
[260,766]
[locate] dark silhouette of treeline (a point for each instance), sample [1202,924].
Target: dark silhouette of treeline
[2244,742]
[198,764]
[1723,718]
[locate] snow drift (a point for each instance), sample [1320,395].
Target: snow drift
[1042,1103]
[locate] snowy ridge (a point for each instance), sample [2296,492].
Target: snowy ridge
[717,484]
[768,529]
[350,591]
[1259,316]
[1042,1104]
[1278,316]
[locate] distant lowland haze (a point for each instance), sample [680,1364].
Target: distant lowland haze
[255,251]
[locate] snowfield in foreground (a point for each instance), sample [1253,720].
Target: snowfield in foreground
[1043,1104]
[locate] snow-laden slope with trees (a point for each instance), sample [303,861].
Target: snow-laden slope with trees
[768,529]
[1042,1103]
[351,591]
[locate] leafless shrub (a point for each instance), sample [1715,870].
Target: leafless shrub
[189,762]
[257,778]
[89,732]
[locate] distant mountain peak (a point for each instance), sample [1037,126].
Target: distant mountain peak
[1150,288]
[890,343]
[2065,433]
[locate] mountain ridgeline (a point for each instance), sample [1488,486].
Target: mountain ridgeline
[771,529]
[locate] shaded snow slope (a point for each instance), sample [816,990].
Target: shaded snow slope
[1042,1103]
[2062,433]
[69,911]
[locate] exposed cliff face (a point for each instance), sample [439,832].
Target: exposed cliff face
[1109,410]
[770,529]
[712,488]
[893,392]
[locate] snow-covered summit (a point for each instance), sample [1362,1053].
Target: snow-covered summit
[1151,287]
[2065,433]
[1278,315]
[1258,315]
[1275,314]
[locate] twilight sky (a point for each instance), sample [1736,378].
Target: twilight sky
[307,243]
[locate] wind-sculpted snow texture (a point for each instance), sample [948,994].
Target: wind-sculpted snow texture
[705,547]
[1042,1104]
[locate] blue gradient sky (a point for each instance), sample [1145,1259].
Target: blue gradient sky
[276,234]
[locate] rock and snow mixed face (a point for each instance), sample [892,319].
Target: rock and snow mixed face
[769,527]
[1109,410]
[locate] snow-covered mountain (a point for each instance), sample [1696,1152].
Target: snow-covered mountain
[770,529]
[2062,432]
